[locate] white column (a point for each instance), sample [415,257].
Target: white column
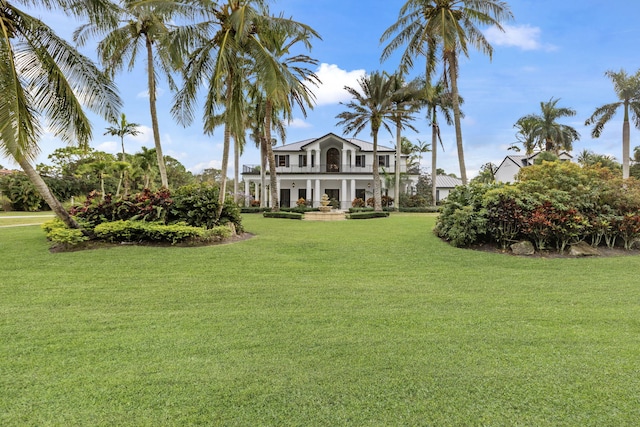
[353,190]
[344,159]
[309,159]
[308,188]
[343,195]
[318,194]
[246,190]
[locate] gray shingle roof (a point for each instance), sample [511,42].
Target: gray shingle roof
[362,145]
[446,181]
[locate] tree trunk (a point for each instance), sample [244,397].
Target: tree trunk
[236,167]
[47,195]
[225,151]
[273,181]
[625,143]
[263,173]
[154,114]
[398,152]
[453,74]
[434,157]
[377,197]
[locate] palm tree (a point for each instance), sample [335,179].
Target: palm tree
[547,131]
[283,80]
[627,89]
[526,135]
[437,100]
[448,27]
[406,101]
[42,75]
[121,129]
[373,104]
[145,27]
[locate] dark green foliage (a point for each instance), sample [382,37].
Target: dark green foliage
[144,206]
[281,214]
[413,201]
[368,215]
[553,205]
[463,218]
[197,205]
[254,209]
[141,231]
[360,209]
[300,209]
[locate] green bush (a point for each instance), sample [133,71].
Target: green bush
[360,209]
[254,209]
[197,205]
[57,232]
[368,215]
[140,231]
[553,205]
[287,215]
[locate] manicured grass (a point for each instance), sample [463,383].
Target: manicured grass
[23,218]
[370,322]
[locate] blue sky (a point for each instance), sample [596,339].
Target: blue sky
[552,49]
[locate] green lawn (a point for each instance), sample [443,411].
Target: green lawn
[11,219]
[371,322]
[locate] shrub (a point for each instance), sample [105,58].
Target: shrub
[140,231]
[463,219]
[57,232]
[363,209]
[413,201]
[385,201]
[254,209]
[197,205]
[358,203]
[287,215]
[301,202]
[368,215]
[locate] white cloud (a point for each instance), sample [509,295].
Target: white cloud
[109,147]
[145,93]
[145,135]
[334,79]
[524,37]
[299,123]
[216,164]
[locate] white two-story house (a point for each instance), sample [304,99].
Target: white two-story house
[340,167]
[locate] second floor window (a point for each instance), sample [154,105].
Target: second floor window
[383,161]
[360,161]
[302,160]
[282,160]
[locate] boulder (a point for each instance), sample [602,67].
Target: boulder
[523,247]
[583,249]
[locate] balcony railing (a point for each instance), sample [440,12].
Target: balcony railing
[324,169]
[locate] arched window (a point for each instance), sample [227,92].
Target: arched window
[333,160]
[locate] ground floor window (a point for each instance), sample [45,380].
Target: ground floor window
[302,193]
[361,194]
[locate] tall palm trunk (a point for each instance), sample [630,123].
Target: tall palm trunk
[453,76]
[398,152]
[434,156]
[154,114]
[225,150]
[273,181]
[377,196]
[236,166]
[263,172]
[625,142]
[47,195]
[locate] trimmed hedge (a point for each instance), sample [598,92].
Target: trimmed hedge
[254,210]
[286,215]
[141,231]
[367,215]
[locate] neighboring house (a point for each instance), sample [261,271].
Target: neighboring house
[444,185]
[511,165]
[340,167]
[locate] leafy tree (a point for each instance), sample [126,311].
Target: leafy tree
[526,135]
[373,104]
[627,89]
[589,158]
[546,131]
[41,75]
[445,28]
[137,26]
[487,174]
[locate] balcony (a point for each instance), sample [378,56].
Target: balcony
[324,169]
